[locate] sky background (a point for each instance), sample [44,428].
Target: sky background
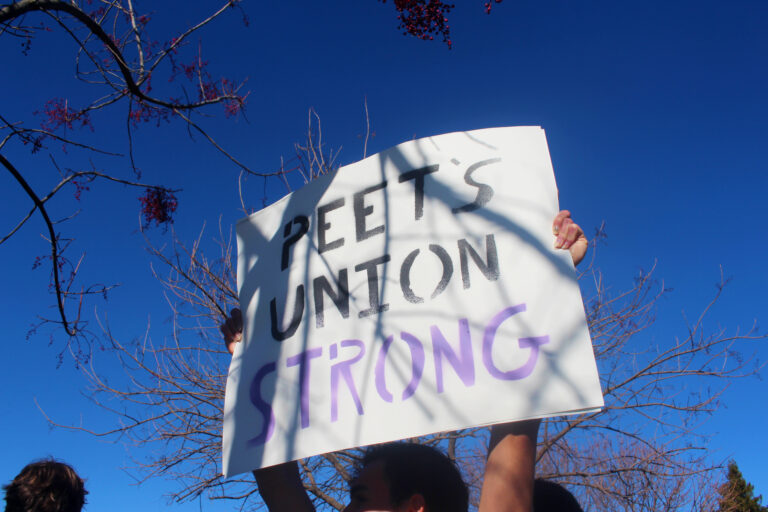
[654,114]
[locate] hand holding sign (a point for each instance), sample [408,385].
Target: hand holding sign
[421,282]
[511,453]
[232,329]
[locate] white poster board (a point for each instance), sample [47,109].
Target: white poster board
[413,292]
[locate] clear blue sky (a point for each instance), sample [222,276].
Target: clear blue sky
[654,112]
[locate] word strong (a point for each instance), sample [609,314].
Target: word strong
[444,356]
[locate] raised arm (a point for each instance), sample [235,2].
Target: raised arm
[510,467]
[281,489]
[279,486]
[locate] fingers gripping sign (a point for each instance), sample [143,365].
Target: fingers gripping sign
[232,329]
[401,288]
[570,236]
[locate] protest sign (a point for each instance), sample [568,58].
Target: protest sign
[413,292]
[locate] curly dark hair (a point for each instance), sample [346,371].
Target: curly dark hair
[412,468]
[45,486]
[550,496]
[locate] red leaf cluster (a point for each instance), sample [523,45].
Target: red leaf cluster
[80,187]
[488,6]
[158,206]
[210,89]
[427,18]
[142,112]
[58,113]
[424,18]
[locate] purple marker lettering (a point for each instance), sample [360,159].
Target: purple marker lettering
[303,361]
[464,366]
[533,343]
[268,424]
[342,369]
[417,367]
[417,363]
[381,385]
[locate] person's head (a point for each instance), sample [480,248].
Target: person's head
[407,477]
[552,497]
[45,486]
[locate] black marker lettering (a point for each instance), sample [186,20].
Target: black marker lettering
[484,192]
[490,269]
[298,312]
[303,222]
[323,226]
[340,298]
[405,274]
[362,211]
[418,185]
[373,286]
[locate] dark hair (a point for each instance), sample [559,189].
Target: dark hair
[45,486]
[412,468]
[550,496]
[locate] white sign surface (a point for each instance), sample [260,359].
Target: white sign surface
[415,291]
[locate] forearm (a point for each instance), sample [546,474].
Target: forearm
[510,468]
[281,488]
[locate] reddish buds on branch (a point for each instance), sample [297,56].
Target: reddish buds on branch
[158,206]
[426,18]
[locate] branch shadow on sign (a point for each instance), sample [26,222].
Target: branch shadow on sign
[307,200]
